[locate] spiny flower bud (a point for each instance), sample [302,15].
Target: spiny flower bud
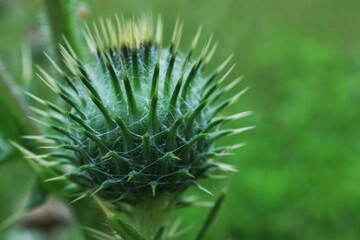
[140,119]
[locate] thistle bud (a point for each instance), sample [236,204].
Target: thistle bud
[140,119]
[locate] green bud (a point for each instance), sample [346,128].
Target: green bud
[139,119]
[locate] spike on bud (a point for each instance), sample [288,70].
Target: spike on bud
[153,186]
[132,175]
[186,172]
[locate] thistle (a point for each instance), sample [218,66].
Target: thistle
[140,120]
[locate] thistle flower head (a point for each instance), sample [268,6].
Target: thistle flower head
[140,118]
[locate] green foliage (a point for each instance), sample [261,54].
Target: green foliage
[298,175]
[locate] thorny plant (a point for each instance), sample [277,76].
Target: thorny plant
[135,126]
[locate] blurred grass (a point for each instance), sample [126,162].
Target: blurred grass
[299,175]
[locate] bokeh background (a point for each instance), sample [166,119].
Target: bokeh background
[299,174]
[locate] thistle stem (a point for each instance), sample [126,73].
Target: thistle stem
[62,23]
[12,93]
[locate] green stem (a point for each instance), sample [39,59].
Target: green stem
[118,224]
[210,218]
[62,20]
[214,211]
[14,105]
[152,215]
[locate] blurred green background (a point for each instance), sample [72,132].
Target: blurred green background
[299,174]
